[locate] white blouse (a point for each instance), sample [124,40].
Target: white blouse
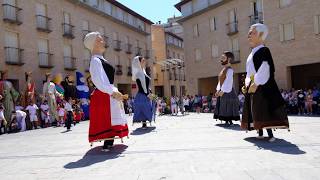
[227,84]
[262,76]
[99,76]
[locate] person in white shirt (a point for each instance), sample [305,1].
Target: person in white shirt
[32,108]
[20,117]
[227,107]
[173,106]
[186,103]
[45,114]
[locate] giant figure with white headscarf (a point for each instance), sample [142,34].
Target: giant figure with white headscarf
[264,106]
[107,117]
[142,102]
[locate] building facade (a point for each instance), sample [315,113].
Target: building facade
[214,26]
[169,57]
[47,36]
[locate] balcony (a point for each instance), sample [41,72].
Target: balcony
[117,45]
[147,54]
[232,28]
[106,40]
[45,60]
[87,65]
[11,14]
[69,63]
[257,17]
[236,57]
[13,56]
[84,33]
[68,31]
[128,48]
[43,23]
[119,70]
[138,51]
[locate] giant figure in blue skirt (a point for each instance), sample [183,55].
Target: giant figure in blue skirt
[83,94]
[142,103]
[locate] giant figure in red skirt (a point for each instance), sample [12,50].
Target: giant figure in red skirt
[107,117]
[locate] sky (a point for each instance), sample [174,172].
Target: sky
[154,10]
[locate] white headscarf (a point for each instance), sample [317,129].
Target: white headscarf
[139,73]
[90,40]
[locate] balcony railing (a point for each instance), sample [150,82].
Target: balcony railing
[13,56]
[43,23]
[232,28]
[68,30]
[257,17]
[129,71]
[147,54]
[128,48]
[119,70]
[11,14]
[69,63]
[107,42]
[87,65]
[236,57]
[45,60]
[138,51]
[84,33]
[117,45]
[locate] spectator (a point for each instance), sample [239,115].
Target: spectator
[309,102]
[32,109]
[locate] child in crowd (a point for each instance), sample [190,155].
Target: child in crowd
[68,108]
[61,114]
[32,109]
[45,116]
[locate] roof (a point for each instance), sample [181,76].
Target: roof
[174,35]
[178,6]
[130,11]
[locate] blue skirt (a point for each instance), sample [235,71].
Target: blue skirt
[142,108]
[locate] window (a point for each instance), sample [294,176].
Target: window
[101,30]
[235,49]
[43,52]
[317,24]
[213,25]
[67,50]
[196,30]
[43,46]
[11,39]
[66,18]
[85,25]
[115,36]
[12,51]
[214,51]
[286,32]
[284,3]
[198,54]
[41,9]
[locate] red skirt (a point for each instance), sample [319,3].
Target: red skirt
[100,127]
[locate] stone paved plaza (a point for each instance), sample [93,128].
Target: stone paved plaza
[190,147]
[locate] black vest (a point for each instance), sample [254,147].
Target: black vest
[140,88]
[269,89]
[109,70]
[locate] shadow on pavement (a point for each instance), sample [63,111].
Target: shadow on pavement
[95,155]
[280,145]
[141,131]
[235,127]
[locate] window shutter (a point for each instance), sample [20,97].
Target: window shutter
[316,24]
[281,32]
